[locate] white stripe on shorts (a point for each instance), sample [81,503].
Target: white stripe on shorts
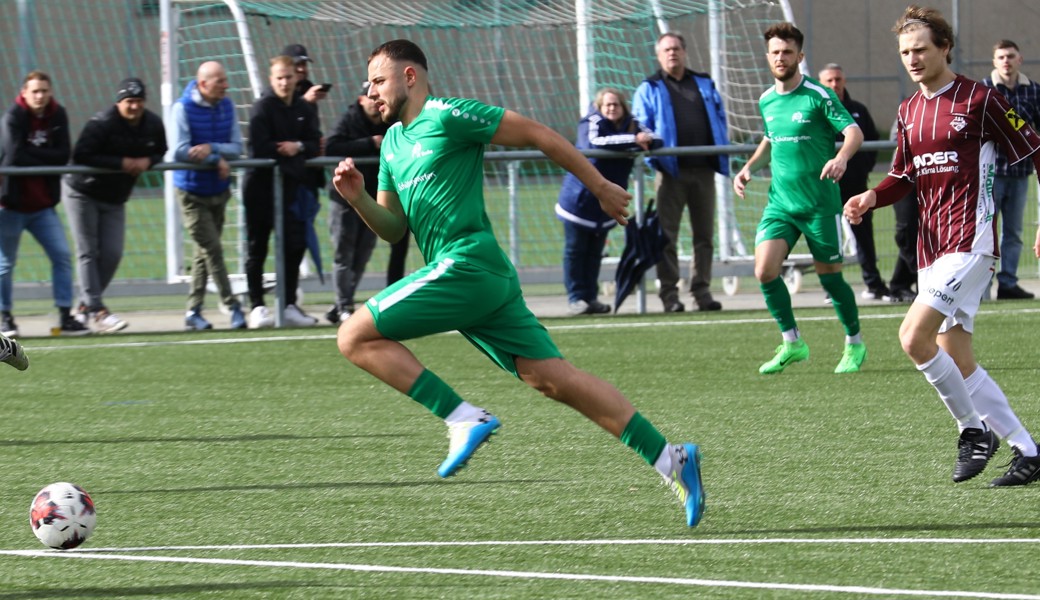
[410,288]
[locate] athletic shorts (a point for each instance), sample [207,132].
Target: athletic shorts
[953,285]
[453,295]
[823,234]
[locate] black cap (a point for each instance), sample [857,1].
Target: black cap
[131,87]
[298,52]
[364,88]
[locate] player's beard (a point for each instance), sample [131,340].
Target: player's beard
[785,75]
[392,114]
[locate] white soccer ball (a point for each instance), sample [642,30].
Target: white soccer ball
[62,515]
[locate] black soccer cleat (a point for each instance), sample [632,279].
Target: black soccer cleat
[974,449]
[1022,470]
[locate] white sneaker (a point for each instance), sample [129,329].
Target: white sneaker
[294,317]
[106,322]
[260,317]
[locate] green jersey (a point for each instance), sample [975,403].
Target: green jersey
[802,127]
[435,165]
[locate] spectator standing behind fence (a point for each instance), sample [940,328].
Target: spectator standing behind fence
[204,130]
[358,133]
[284,127]
[855,180]
[35,133]
[124,137]
[1011,184]
[683,108]
[802,118]
[608,126]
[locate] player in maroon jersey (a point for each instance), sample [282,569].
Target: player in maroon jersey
[946,144]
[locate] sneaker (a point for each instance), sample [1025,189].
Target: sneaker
[902,296]
[260,317]
[238,318]
[343,316]
[83,314]
[685,481]
[852,359]
[465,439]
[709,305]
[1014,292]
[294,317]
[974,449]
[878,293]
[333,315]
[786,353]
[106,322]
[578,307]
[1022,470]
[70,326]
[194,321]
[8,328]
[598,308]
[11,353]
[674,306]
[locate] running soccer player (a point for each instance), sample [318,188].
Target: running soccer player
[802,119]
[946,142]
[431,179]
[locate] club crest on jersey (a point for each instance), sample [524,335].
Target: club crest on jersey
[958,123]
[797,117]
[1016,121]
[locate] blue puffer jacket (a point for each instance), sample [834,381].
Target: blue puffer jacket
[652,106]
[208,124]
[576,203]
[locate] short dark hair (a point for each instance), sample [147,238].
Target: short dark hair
[682,40]
[401,50]
[915,17]
[36,76]
[784,31]
[1005,44]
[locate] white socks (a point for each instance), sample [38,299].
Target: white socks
[994,408]
[465,412]
[942,372]
[663,464]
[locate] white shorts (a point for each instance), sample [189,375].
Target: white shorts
[953,285]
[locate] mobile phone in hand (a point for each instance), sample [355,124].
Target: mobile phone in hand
[325,87]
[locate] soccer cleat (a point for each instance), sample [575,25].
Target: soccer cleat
[260,317]
[238,319]
[852,359]
[786,354]
[465,439]
[194,321]
[685,481]
[1022,470]
[106,322]
[974,449]
[11,353]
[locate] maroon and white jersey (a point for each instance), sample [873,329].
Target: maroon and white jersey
[947,145]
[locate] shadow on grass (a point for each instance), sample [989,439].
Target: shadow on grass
[161,591]
[260,437]
[868,529]
[323,485]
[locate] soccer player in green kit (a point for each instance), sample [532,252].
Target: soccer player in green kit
[802,118]
[431,178]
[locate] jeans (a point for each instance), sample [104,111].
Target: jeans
[582,254]
[98,229]
[352,245]
[46,227]
[1009,196]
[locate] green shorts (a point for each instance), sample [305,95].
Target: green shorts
[822,233]
[452,295]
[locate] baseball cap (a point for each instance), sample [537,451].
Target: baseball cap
[298,52]
[364,88]
[131,87]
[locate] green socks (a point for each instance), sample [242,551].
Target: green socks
[641,436]
[778,301]
[430,391]
[844,300]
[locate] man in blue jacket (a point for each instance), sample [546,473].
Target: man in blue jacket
[683,108]
[205,131]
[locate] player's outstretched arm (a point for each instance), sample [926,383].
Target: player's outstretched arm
[384,216]
[519,131]
[858,205]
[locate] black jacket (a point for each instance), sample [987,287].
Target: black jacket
[272,121]
[857,172]
[51,149]
[353,137]
[105,140]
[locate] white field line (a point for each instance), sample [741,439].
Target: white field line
[678,581]
[555,328]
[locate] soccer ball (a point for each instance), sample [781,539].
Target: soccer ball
[62,515]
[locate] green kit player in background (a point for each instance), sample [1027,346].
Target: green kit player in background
[431,180]
[802,118]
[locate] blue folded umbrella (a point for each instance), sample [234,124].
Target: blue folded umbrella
[305,208]
[644,248]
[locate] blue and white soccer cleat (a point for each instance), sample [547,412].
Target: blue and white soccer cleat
[686,482]
[465,439]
